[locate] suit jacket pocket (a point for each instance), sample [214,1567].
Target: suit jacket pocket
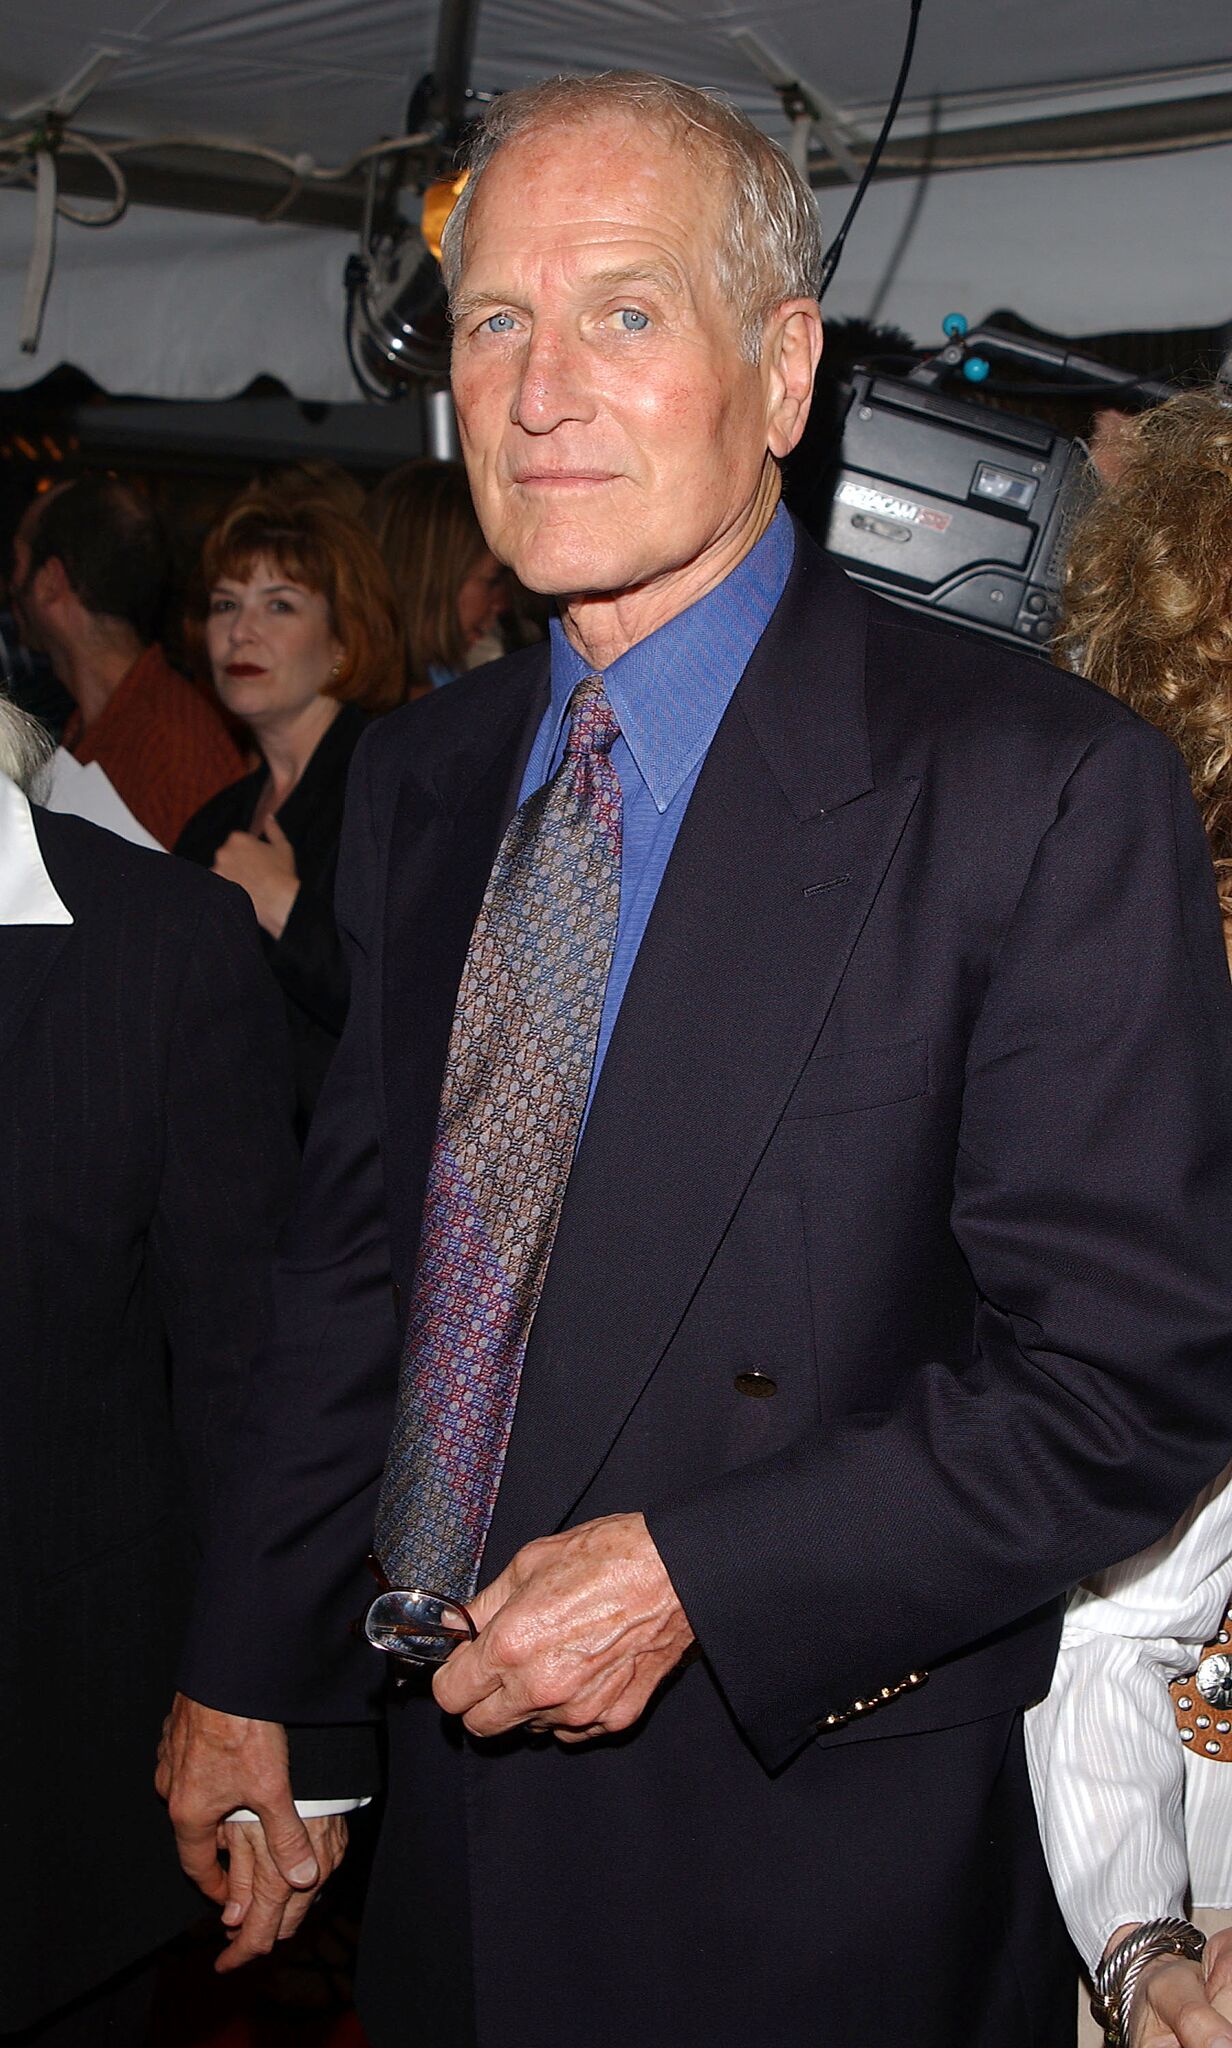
[862,1078]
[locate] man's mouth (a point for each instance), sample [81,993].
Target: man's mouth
[562,479]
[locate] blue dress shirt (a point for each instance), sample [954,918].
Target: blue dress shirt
[668,693]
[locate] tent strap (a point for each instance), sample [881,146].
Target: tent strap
[42,255]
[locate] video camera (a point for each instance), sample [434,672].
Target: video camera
[948,505]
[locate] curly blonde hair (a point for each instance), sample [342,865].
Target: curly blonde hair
[1147,604]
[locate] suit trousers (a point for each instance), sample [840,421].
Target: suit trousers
[621,1907]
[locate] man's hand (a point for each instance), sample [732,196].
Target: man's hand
[210,1763]
[1184,2005]
[262,1907]
[575,1635]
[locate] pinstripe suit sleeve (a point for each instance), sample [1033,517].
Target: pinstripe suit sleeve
[227,1177]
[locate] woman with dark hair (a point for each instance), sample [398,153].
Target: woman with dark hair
[1131,1753]
[303,640]
[450,586]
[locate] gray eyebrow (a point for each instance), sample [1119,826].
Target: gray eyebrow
[467,302]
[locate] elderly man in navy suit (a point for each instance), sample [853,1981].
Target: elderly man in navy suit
[766,1232]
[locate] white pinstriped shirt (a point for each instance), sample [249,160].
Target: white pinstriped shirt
[1131,1821]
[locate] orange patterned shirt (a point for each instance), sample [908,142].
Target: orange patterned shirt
[160,744]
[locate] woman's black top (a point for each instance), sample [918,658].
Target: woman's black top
[307,960]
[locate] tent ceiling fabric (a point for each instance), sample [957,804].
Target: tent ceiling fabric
[329,76]
[189,305]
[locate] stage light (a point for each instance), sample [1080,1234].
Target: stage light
[438,203]
[397,323]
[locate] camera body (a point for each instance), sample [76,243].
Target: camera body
[955,507]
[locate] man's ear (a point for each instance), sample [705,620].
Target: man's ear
[49,582]
[791,351]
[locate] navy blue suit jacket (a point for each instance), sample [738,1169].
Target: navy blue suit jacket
[918,1104]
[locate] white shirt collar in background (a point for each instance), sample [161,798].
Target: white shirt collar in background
[27,893]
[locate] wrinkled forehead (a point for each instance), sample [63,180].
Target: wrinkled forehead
[615,176]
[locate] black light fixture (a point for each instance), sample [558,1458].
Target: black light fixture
[397,321]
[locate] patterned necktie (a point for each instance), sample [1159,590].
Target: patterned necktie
[517,1076]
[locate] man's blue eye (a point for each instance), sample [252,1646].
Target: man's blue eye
[632,320]
[499,323]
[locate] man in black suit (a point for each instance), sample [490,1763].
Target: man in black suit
[890,1289]
[148,1161]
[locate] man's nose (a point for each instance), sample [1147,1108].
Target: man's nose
[553,386]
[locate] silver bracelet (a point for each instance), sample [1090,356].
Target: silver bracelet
[1116,1978]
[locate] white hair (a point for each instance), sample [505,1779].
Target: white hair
[770,245]
[25,749]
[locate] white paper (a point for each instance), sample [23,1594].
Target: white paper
[86,792]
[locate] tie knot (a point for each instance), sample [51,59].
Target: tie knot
[593,728]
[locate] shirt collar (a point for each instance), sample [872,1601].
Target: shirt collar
[27,893]
[144,676]
[670,690]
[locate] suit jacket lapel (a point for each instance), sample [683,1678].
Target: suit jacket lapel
[28,951]
[27,954]
[448,824]
[777,865]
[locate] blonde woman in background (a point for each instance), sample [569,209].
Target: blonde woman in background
[1148,595]
[451,588]
[1137,1820]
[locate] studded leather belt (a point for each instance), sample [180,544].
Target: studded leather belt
[1203,1701]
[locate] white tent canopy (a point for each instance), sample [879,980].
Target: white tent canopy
[180,304]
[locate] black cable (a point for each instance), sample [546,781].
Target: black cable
[888,356]
[830,261]
[1152,389]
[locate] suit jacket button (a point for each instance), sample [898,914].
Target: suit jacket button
[758,1384]
[396,1291]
